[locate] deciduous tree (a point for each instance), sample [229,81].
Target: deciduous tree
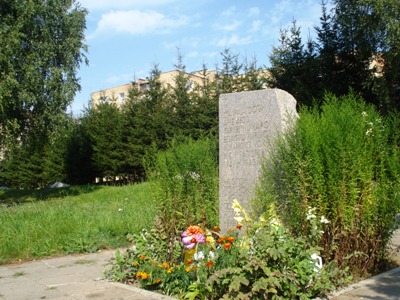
[41,50]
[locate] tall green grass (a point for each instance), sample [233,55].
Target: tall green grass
[184,180]
[40,223]
[343,160]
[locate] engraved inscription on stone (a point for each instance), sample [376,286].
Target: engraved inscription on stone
[247,120]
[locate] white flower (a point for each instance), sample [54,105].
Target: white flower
[199,255]
[310,213]
[239,219]
[368,132]
[364,114]
[324,220]
[274,222]
[194,175]
[318,262]
[120,209]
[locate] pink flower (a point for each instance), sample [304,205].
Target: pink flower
[190,238]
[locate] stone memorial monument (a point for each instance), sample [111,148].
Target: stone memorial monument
[247,121]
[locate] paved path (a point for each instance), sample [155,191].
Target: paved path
[385,286]
[69,277]
[79,277]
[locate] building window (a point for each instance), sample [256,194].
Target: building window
[104,99]
[121,97]
[144,86]
[189,86]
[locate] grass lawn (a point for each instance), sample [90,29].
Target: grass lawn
[38,223]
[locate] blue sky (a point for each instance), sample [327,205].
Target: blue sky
[127,37]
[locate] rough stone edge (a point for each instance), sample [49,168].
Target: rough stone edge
[362,283]
[141,292]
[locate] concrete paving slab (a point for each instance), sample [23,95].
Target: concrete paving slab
[385,286]
[73,277]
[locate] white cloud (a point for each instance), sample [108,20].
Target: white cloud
[229,12]
[232,26]
[137,22]
[254,11]
[233,40]
[118,4]
[228,27]
[255,25]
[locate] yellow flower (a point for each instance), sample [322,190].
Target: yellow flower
[191,268]
[165,265]
[138,274]
[142,257]
[210,240]
[169,271]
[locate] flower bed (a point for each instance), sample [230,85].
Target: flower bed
[264,261]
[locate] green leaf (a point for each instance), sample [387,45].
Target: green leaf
[236,283]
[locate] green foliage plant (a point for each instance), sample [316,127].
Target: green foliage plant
[342,160]
[184,181]
[266,261]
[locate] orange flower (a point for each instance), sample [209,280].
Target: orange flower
[145,275]
[138,274]
[189,261]
[227,246]
[221,239]
[216,228]
[142,257]
[239,226]
[193,240]
[165,265]
[230,239]
[193,230]
[158,280]
[209,264]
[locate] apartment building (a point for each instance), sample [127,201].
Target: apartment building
[120,93]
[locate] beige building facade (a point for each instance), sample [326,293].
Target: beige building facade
[120,94]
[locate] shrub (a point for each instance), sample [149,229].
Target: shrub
[184,181]
[343,160]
